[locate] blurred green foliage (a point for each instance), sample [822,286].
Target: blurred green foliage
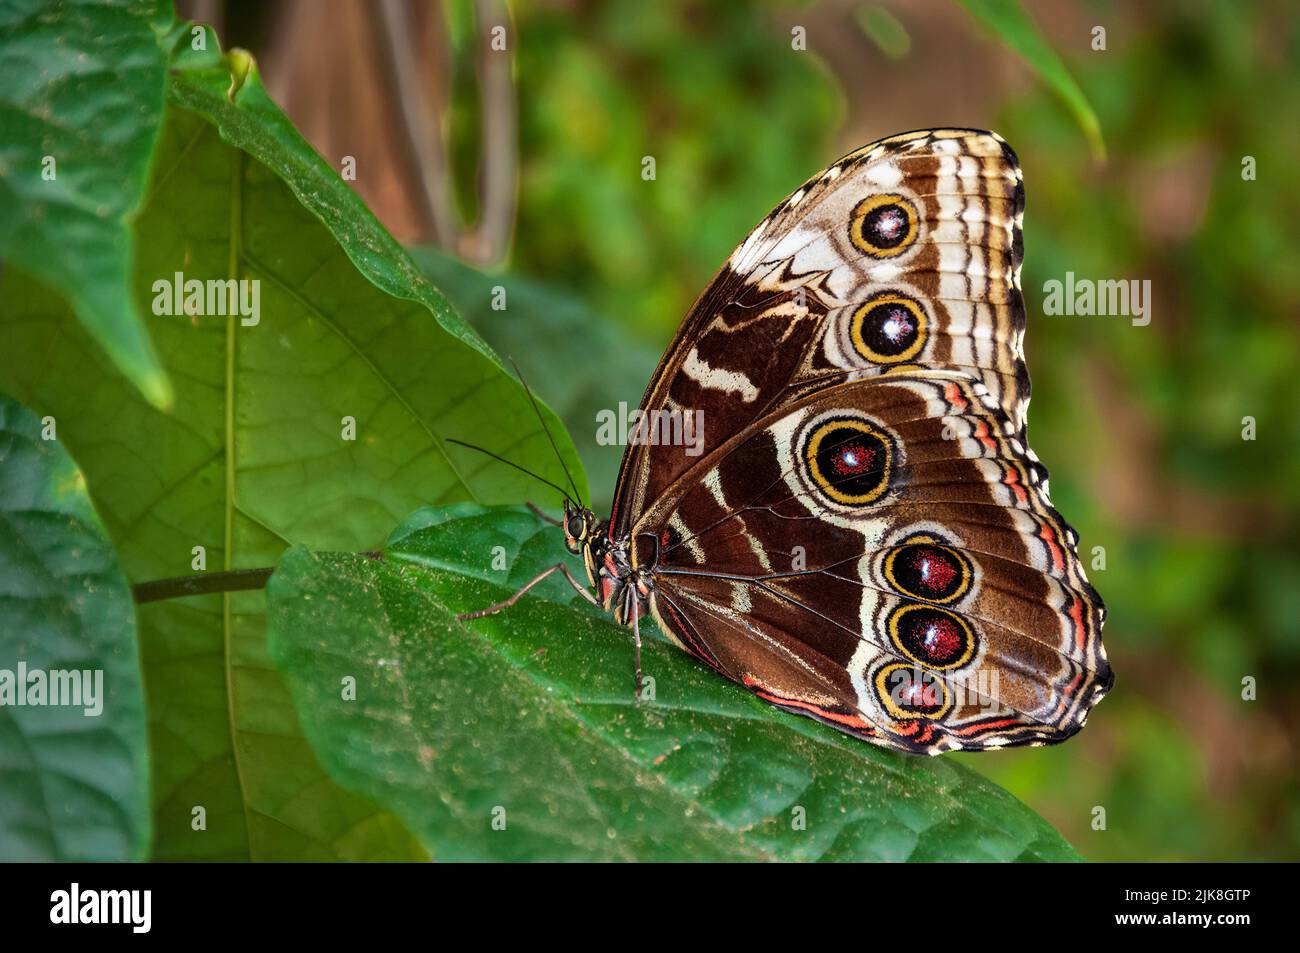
[711,92]
[884,29]
[1142,426]
[1013,26]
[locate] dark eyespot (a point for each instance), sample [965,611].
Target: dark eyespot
[908,693]
[889,329]
[933,637]
[928,571]
[883,225]
[849,460]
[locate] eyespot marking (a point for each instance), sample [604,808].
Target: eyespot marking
[889,328]
[849,459]
[884,225]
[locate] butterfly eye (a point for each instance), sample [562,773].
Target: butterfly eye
[576,526]
[883,226]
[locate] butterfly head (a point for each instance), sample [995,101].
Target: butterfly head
[580,525]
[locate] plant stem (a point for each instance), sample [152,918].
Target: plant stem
[198,584]
[201,583]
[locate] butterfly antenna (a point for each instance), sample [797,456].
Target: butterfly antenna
[546,430]
[509,463]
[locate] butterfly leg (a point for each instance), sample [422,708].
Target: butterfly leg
[542,516]
[507,603]
[636,642]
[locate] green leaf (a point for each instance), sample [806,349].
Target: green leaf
[254,459]
[251,121]
[531,712]
[81,101]
[884,29]
[1009,22]
[76,776]
[585,365]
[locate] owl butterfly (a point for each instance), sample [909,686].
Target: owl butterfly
[864,536]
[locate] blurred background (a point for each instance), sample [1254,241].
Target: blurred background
[506,142]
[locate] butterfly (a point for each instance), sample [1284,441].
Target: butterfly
[859,532]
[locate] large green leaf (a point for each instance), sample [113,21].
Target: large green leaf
[253,457]
[582,363]
[80,106]
[75,776]
[532,712]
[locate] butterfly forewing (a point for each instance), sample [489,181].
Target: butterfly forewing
[903,253]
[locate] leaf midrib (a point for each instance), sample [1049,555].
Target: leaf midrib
[228,529]
[238,259]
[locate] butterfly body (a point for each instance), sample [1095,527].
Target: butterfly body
[608,561]
[862,534]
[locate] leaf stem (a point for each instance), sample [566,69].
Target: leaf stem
[199,584]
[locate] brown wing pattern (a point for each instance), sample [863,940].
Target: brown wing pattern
[883,555]
[905,253]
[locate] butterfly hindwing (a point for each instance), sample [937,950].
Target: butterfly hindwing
[883,556]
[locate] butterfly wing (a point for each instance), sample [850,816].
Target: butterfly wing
[904,253]
[860,532]
[883,556]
